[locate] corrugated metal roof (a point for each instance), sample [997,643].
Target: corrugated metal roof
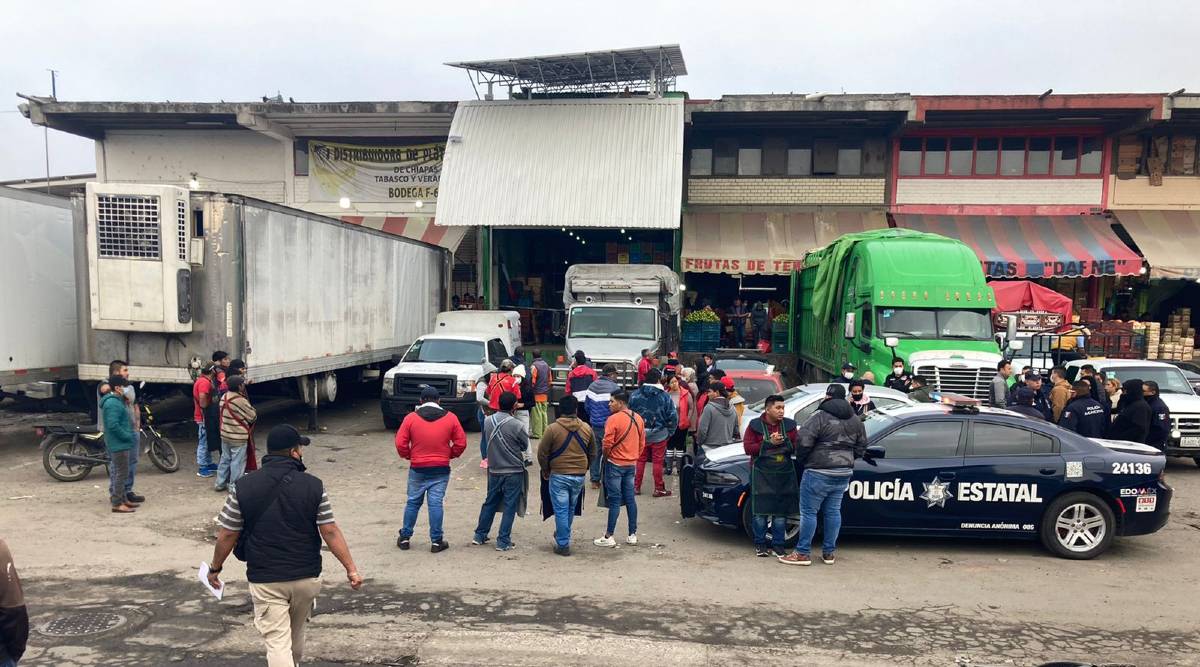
[564,163]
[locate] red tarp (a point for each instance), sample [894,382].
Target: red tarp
[1014,295]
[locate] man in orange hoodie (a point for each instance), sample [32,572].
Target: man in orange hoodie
[428,437]
[624,442]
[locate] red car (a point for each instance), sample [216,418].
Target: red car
[756,385]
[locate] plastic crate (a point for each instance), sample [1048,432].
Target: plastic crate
[779,339]
[701,331]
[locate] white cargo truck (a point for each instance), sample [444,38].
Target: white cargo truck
[39,340]
[464,346]
[167,276]
[614,311]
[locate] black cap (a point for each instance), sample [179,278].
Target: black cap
[235,382]
[848,366]
[429,394]
[285,437]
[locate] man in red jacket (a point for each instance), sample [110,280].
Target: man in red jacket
[428,437]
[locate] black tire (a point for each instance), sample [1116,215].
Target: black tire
[790,535]
[1079,526]
[60,470]
[163,454]
[1197,460]
[391,423]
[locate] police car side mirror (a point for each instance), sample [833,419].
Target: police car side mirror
[875,452]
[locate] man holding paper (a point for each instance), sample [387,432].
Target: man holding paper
[275,522]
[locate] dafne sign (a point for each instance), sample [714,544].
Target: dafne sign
[374,173]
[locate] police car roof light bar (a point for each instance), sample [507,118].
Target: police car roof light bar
[957,402]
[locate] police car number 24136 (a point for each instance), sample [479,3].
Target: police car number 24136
[1126,468]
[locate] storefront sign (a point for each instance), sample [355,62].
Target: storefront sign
[374,173]
[1031,320]
[741,265]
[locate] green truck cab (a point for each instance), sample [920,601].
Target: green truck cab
[871,297]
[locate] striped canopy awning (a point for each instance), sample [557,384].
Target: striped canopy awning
[419,229]
[1035,246]
[1167,239]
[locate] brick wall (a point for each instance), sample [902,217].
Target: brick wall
[1030,191]
[793,191]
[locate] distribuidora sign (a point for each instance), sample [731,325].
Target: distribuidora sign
[374,173]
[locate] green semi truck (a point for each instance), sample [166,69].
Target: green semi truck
[871,297]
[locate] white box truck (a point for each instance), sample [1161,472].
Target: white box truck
[39,340]
[464,347]
[167,276]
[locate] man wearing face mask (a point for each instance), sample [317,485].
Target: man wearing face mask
[899,380]
[847,373]
[859,401]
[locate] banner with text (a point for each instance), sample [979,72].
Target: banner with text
[374,173]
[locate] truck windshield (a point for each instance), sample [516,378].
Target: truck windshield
[935,324]
[601,322]
[1170,379]
[446,351]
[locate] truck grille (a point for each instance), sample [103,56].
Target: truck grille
[971,382]
[409,386]
[1188,424]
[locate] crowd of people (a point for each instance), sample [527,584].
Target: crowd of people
[1094,406]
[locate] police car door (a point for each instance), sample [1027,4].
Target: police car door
[1008,473]
[907,490]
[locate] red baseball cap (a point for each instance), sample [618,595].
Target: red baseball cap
[728,382]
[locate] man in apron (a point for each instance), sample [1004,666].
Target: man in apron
[770,441]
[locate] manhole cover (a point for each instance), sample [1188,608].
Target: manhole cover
[84,623]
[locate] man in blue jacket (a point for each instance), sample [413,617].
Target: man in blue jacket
[596,402]
[656,408]
[119,438]
[1084,414]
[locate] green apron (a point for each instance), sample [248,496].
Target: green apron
[774,490]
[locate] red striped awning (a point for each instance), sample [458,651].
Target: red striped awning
[418,228]
[1035,246]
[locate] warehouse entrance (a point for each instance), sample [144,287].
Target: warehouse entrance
[528,267]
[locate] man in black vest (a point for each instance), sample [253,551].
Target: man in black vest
[277,519]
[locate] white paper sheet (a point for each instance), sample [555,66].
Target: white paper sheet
[216,592]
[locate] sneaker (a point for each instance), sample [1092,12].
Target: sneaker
[439,546]
[828,559]
[662,493]
[761,551]
[483,464]
[206,472]
[606,541]
[478,542]
[779,552]
[562,551]
[220,488]
[123,508]
[795,559]
[135,498]
[403,542]
[631,540]
[508,547]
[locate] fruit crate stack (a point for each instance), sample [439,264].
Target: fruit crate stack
[701,336]
[1178,338]
[779,335]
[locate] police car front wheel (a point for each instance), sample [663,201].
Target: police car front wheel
[1078,526]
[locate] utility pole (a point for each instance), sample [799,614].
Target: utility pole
[45,129]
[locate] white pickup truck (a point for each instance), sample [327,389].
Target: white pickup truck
[461,350]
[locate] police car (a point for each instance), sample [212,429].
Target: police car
[957,469]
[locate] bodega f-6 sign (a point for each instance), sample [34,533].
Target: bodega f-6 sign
[374,174]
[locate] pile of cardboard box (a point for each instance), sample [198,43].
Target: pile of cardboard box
[1175,342]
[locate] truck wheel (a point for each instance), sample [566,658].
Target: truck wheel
[391,423]
[1079,526]
[1197,460]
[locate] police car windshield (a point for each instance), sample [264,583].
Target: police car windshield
[935,324]
[876,422]
[1170,379]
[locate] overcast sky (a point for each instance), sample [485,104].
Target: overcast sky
[328,51]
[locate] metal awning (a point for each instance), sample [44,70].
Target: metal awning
[1035,246]
[608,163]
[648,67]
[416,228]
[765,241]
[1167,240]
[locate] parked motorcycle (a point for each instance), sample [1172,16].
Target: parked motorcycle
[69,452]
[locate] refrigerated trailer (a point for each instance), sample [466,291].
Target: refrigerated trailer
[167,276]
[39,339]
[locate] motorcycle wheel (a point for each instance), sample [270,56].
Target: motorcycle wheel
[162,454]
[64,471]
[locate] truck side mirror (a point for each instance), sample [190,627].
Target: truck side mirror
[1010,327]
[849,333]
[1016,345]
[891,341]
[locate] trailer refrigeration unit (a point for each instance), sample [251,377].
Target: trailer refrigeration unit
[39,340]
[167,276]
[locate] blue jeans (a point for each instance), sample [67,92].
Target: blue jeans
[8,662]
[824,493]
[133,461]
[203,456]
[482,433]
[778,526]
[504,491]
[618,490]
[232,465]
[421,484]
[564,495]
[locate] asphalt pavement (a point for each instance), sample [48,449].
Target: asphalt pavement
[107,589]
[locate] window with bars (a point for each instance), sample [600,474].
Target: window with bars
[128,226]
[983,157]
[182,228]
